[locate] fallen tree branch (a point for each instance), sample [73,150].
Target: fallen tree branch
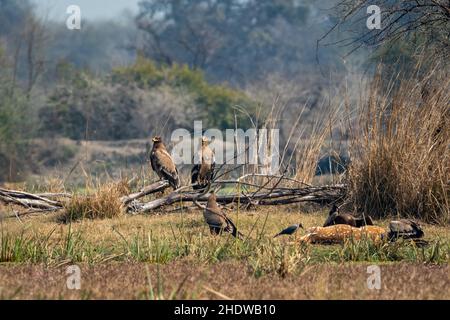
[28,203]
[312,194]
[153,188]
[28,196]
[29,200]
[267,196]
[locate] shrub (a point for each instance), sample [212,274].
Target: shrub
[208,98]
[103,202]
[401,155]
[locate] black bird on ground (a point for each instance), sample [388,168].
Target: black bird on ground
[289,230]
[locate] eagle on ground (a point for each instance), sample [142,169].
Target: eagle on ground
[404,228]
[162,163]
[335,217]
[217,220]
[202,173]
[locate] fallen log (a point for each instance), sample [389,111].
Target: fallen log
[274,196]
[27,196]
[29,200]
[29,203]
[311,194]
[153,188]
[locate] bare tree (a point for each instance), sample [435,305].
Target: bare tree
[227,38]
[428,19]
[35,38]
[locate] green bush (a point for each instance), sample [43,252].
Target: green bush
[215,102]
[131,100]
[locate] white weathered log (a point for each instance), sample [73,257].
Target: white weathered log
[29,203]
[276,197]
[28,197]
[153,188]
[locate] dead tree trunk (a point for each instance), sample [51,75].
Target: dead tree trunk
[264,196]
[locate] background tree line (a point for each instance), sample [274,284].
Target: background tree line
[180,60]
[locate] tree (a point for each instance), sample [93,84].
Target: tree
[35,36]
[230,40]
[15,124]
[12,15]
[427,21]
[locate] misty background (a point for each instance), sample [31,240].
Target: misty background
[91,10]
[141,68]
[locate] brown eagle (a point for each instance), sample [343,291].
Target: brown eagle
[404,228]
[335,217]
[202,173]
[217,220]
[162,163]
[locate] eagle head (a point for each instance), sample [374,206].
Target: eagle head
[157,139]
[212,200]
[205,141]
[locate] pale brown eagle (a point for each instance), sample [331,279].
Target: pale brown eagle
[202,173]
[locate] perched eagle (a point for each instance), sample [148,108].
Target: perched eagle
[162,163]
[217,220]
[202,173]
[334,217]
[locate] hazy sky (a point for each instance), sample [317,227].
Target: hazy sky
[90,9]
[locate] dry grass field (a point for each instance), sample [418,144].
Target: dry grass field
[291,107]
[399,169]
[173,256]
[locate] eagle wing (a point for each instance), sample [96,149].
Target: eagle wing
[194,174]
[330,219]
[405,228]
[215,218]
[164,166]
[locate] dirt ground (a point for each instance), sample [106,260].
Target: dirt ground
[144,257]
[186,280]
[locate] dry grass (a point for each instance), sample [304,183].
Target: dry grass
[400,152]
[101,202]
[187,280]
[309,154]
[114,253]
[165,238]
